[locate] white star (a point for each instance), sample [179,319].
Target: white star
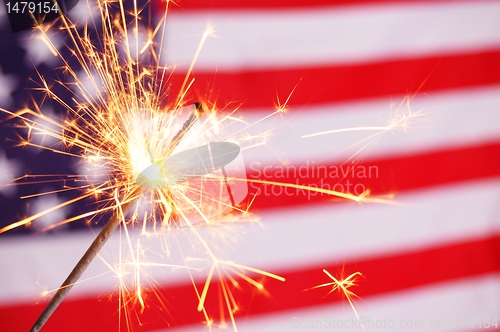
[41,47]
[86,12]
[42,204]
[89,85]
[8,84]
[94,168]
[4,19]
[138,42]
[9,170]
[41,136]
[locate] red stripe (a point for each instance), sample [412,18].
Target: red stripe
[382,275]
[327,84]
[274,4]
[259,88]
[383,176]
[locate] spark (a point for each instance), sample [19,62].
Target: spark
[402,120]
[207,33]
[342,285]
[49,45]
[283,108]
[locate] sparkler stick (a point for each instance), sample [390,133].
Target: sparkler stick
[186,126]
[104,235]
[84,262]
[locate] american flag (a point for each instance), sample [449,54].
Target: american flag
[429,253]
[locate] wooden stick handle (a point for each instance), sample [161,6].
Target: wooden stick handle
[84,263]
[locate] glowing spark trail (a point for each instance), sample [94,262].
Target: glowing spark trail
[343,285]
[400,121]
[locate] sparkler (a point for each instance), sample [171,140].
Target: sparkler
[104,235]
[128,130]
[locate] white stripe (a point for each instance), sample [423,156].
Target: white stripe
[284,38]
[296,237]
[441,307]
[288,238]
[448,120]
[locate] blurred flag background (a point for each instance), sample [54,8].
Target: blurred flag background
[425,73]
